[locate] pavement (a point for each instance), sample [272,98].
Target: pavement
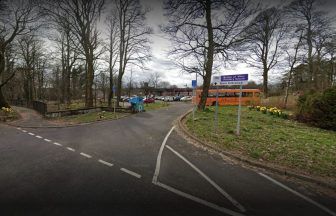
[31,118]
[139,165]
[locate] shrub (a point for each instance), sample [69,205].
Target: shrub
[318,109]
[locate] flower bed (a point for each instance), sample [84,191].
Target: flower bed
[7,114]
[270,110]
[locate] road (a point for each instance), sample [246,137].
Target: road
[138,165]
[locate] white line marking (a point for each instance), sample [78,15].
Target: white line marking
[158,160]
[56,143]
[24,131]
[70,149]
[224,193]
[198,200]
[47,140]
[18,128]
[38,137]
[298,194]
[31,134]
[104,162]
[85,155]
[131,173]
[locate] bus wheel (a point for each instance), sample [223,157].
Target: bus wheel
[214,103]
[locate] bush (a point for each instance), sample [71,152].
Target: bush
[318,109]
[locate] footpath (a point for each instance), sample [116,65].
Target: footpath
[32,119]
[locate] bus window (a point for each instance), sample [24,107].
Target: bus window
[247,94]
[256,94]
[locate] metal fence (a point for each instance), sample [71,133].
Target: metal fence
[40,107]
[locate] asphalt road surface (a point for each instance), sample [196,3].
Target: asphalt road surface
[138,165]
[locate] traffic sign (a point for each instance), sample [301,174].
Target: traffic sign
[216,80]
[194,83]
[236,79]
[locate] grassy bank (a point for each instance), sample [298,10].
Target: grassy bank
[269,138]
[99,116]
[91,117]
[156,105]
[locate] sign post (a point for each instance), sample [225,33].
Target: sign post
[216,81]
[237,79]
[239,111]
[216,111]
[194,86]
[114,104]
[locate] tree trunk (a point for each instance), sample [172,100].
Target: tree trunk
[265,83]
[287,88]
[209,59]
[119,88]
[68,71]
[3,102]
[89,83]
[110,96]
[310,55]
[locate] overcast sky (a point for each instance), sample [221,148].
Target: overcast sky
[160,47]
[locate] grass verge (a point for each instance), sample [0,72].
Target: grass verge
[269,138]
[156,105]
[92,117]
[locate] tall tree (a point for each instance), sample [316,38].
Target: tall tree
[207,29]
[82,17]
[113,41]
[133,37]
[67,45]
[265,35]
[310,17]
[293,59]
[16,18]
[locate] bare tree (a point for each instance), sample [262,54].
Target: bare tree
[133,37]
[203,30]
[331,50]
[265,35]
[308,15]
[292,59]
[163,84]
[33,62]
[16,18]
[154,78]
[82,17]
[113,42]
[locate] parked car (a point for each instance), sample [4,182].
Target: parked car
[149,100]
[177,98]
[186,98]
[168,98]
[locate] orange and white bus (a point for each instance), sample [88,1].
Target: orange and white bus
[230,97]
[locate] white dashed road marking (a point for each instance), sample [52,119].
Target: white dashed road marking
[104,162]
[134,174]
[299,194]
[56,143]
[70,149]
[85,155]
[130,173]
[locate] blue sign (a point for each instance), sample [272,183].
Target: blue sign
[194,83]
[237,79]
[113,89]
